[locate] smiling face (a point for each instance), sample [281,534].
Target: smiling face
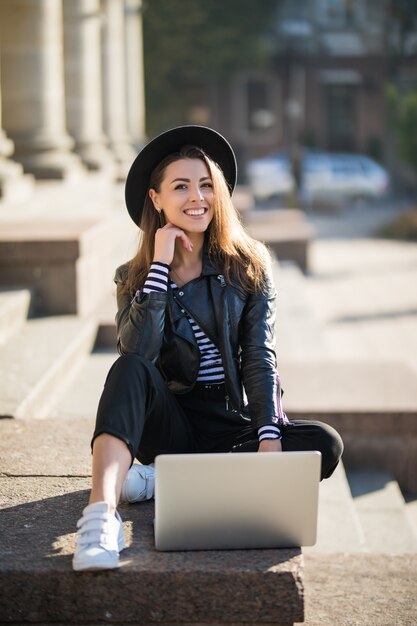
[186,195]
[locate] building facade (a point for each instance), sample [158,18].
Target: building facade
[324,87]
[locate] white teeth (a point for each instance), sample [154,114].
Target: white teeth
[195,211]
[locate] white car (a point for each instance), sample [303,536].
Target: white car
[347,178]
[270,177]
[325,177]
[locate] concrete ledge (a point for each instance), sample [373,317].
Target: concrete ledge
[375,440]
[35,365]
[338,528]
[372,405]
[286,232]
[360,590]
[47,447]
[347,386]
[381,508]
[105,315]
[14,309]
[300,334]
[69,264]
[211,587]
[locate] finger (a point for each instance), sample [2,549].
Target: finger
[187,243]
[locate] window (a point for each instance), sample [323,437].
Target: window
[341,116]
[256,102]
[337,13]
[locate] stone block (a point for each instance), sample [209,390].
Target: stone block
[285,231]
[151,587]
[36,364]
[360,590]
[14,308]
[372,405]
[394,453]
[346,386]
[68,264]
[47,447]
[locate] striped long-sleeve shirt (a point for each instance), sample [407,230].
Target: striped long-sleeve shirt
[211,366]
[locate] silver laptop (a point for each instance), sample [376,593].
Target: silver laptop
[231,501]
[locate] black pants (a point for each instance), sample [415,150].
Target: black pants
[137,407]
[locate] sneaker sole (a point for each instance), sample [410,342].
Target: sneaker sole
[93,568]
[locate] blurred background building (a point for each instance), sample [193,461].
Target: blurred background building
[276,76]
[311,74]
[72,90]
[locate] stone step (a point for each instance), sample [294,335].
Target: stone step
[68,263]
[377,421]
[287,232]
[352,386]
[411,506]
[360,590]
[106,313]
[382,512]
[299,333]
[37,364]
[38,518]
[14,309]
[338,528]
[82,395]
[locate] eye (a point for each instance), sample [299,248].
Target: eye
[208,184]
[181,186]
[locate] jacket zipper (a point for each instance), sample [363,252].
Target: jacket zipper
[223,284]
[222,280]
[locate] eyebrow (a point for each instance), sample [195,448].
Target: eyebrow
[188,180]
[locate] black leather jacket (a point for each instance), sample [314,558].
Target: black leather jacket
[240,324]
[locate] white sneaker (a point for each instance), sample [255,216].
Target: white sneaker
[139,484]
[100,538]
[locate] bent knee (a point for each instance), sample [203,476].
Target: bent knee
[332,450]
[130,366]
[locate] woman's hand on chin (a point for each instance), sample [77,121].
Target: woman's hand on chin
[165,243]
[270,445]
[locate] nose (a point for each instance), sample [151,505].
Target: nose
[196,193]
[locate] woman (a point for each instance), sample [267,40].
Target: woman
[195,325]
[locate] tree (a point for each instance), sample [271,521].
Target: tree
[403,113]
[199,41]
[403,14]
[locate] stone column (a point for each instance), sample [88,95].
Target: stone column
[83,87]
[134,73]
[14,186]
[114,85]
[33,87]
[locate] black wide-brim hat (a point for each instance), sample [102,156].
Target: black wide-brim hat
[209,140]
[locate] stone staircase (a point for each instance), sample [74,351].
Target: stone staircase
[52,372]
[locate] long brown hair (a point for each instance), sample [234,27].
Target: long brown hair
[242,258]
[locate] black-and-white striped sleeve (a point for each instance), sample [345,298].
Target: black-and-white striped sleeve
[269,432]
[157,279]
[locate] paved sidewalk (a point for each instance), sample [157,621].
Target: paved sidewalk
[364,292]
